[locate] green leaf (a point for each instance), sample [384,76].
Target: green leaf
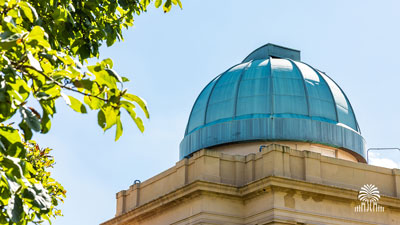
[15,209]
[84,51]
[123,3]
[103,77]
[108,62]
[17,150]
[74,72]
[110,115]
[34,62]
[119,130]
[179,3]
[77,105]
[74,103]
[6,111]
[86,84]
[30,118]
[37,36]
[9,136]
[60,14]
[139,101]
[10,24]
[38,79]
[42,96]
[12,167]
[93,103]
[39,195]
[101,119]
[45,123]
[9,39]
[28,11]
[129,108]
[48,106]
[158,3]
[12,184]
[52,90]
[114,74]
[29,167]
[27,131]
[19,89]
[167,6]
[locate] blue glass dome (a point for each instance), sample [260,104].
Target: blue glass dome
[268,97]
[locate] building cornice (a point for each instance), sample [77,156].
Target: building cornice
[276,169]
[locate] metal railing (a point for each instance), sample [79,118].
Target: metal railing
[379,149]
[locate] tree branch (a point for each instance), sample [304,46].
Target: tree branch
[62,85]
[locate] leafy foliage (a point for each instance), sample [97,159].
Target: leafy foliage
[44,47]
[27,192]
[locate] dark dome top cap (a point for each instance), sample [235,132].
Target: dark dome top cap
[275,51]
[272,96]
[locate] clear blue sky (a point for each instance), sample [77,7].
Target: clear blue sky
[171,57]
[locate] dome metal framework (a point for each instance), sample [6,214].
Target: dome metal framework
[270,96]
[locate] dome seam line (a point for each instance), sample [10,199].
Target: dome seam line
[191,111]
[347,101]
[238,86]
[304,85]
[330,91]
[271,91]
[211,92]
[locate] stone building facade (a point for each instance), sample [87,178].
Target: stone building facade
[278,185]
[271,140]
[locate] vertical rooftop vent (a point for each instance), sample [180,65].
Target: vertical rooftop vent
[275,51]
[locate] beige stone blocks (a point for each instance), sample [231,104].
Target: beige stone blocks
[278,185]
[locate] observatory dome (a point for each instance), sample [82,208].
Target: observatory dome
[273,96]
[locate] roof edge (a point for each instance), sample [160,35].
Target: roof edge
[275,51]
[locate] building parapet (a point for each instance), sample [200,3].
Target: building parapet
[273,161]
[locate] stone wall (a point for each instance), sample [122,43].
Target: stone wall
[275,183]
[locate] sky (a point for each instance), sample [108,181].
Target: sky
[169,59]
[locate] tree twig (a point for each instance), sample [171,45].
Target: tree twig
[62,85]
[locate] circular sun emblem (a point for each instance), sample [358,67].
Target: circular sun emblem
[369,193]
